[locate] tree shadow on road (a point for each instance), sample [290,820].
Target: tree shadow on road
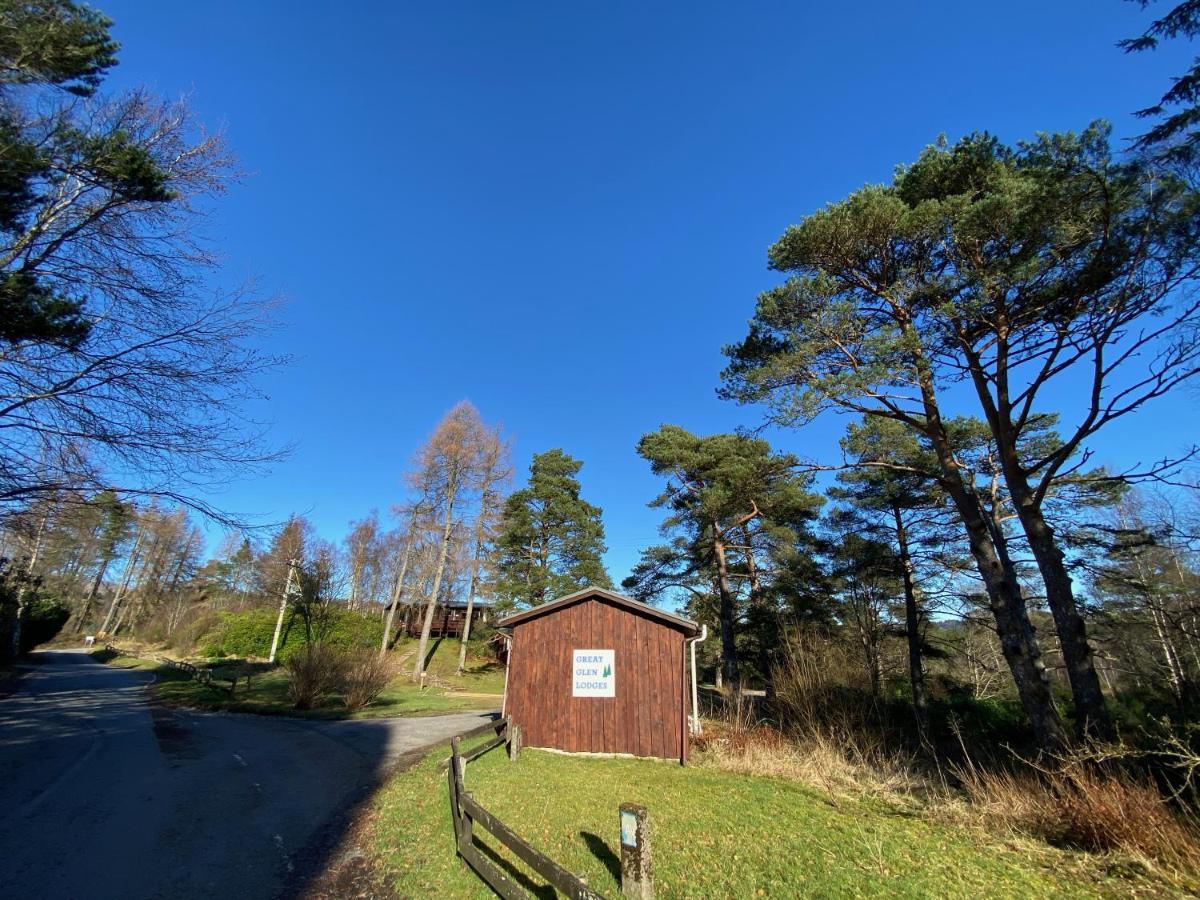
[235,805]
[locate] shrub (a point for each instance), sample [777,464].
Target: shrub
[41,621]
[245,633]
[249,633]
[366,675]
[317,670]
[195,628]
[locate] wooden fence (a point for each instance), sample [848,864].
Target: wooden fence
[196,673]
[468,814]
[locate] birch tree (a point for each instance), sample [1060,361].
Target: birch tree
[408,545]
[361,548]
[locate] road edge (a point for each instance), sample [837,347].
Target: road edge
[339,862]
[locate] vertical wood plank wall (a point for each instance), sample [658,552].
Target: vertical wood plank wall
[648,715]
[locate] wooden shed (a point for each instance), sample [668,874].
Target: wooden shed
[597,672]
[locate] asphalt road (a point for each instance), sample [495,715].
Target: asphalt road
[104,795]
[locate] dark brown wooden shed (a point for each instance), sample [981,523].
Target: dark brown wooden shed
[597,672]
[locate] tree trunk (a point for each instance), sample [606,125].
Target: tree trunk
[398,588]
[23,593]
[431,607]
[1091,713]
[1018,640]
[283,602]
[80,623]
[129,614]
[173,588]
[912,622]
[466,632]
[729,659]
[126,577]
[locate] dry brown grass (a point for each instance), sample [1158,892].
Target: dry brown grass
[837,767]
[1082,806]
[828,734]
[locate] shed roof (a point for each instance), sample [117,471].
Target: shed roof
[686,625]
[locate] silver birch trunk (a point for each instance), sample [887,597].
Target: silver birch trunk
[287,590]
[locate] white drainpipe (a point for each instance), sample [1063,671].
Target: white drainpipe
[695,693]
[507,665]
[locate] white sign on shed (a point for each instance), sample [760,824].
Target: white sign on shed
[592,674]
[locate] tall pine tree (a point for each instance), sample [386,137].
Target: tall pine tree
[550,539]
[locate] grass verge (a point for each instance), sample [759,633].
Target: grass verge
[265,692]
[717,834]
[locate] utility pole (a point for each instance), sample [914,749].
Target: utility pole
[287,592]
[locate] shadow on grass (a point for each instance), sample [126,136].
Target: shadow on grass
[484,668]
[536,889]
[599,848]
[432,650]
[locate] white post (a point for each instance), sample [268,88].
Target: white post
[287,591]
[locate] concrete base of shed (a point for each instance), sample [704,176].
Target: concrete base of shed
[591,755]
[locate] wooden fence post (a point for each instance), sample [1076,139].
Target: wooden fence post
[514,740]
[637,869]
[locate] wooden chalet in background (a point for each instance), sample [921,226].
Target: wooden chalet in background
[448,618]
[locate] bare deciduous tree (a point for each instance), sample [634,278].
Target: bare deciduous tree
[450,466]
[149,400]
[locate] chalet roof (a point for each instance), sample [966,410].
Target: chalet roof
[687,625]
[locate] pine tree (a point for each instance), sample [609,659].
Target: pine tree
[550,540]
[739,514]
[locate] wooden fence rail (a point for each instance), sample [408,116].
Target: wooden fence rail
[196,673]
[467,814]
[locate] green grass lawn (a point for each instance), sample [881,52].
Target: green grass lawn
[715,834]
[266,692]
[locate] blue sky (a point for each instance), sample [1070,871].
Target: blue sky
[561,211]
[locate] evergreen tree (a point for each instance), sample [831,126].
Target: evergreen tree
[901,507]
[1024,272]
[1176,135]
[739,514]
[550,540]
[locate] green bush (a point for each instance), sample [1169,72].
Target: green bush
[249,633]
[42,620]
